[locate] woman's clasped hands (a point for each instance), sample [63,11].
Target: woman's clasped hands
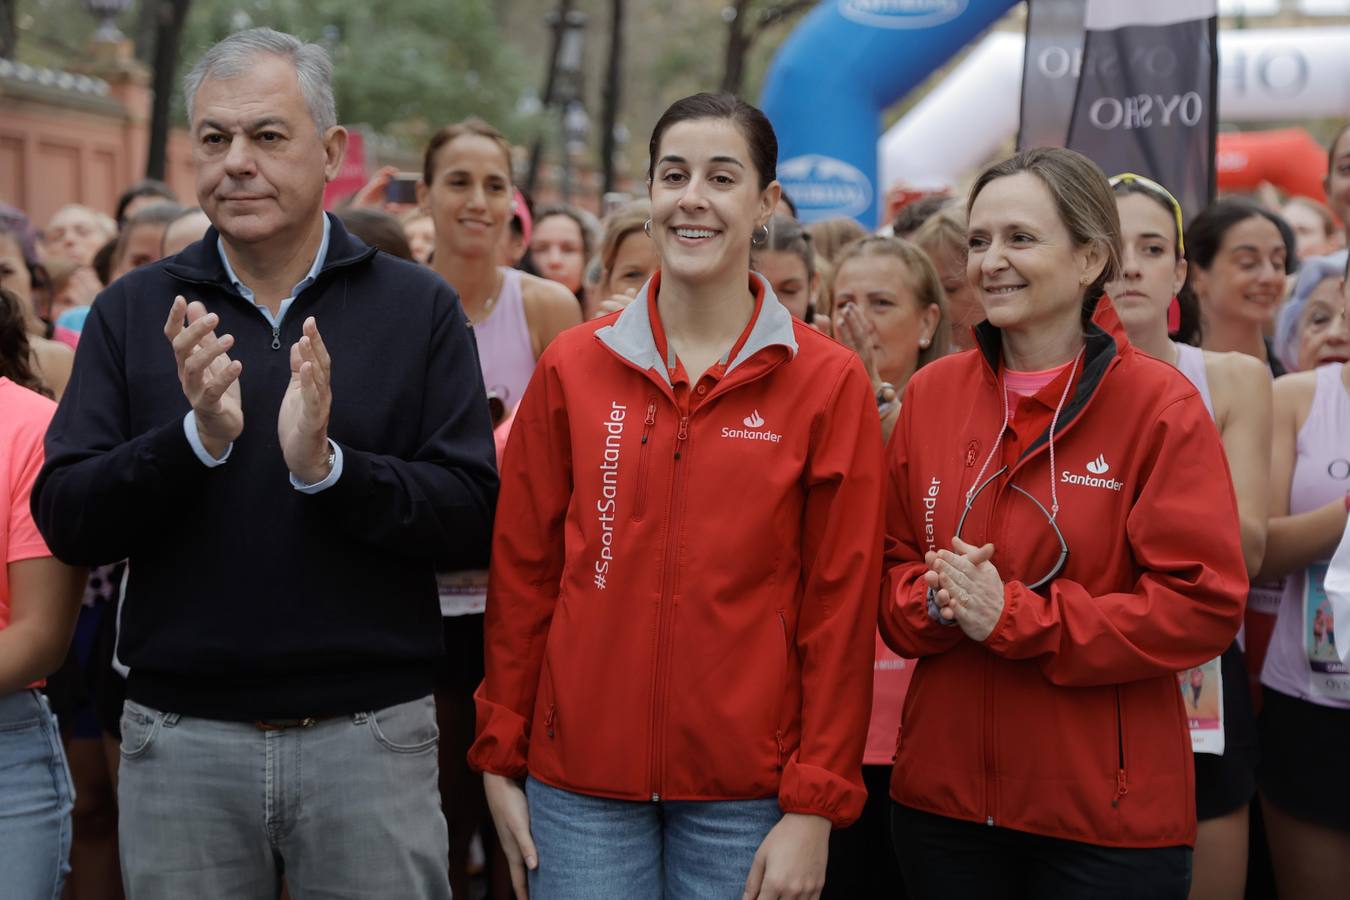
[966,586]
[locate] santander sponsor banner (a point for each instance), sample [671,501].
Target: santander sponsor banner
[1148,92]
[901,13]
[824,188]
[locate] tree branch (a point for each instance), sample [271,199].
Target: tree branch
[778,12]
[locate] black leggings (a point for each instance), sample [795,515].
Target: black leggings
[952,860]
[862,859]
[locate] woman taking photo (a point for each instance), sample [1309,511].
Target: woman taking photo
[1235,389]
[679,616]
[1305,714]
[1062,539]
[39,598]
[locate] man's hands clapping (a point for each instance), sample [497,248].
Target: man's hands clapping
[210,381]
[302,424]
[209,377]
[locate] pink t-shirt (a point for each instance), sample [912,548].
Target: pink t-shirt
[1027,384]
[24,416]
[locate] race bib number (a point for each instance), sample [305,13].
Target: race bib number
[1327,675]
[1265,598]
[1202,694]
[462,593]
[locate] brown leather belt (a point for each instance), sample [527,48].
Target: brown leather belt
[283,724]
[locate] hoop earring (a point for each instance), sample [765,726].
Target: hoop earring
[647,227]
[760,237]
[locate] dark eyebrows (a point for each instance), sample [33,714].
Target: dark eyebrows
[681,161]
[255,125]
[266,121]
[465,173]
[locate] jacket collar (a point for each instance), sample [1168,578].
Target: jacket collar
[201,262]
[1104,343]
[630,336]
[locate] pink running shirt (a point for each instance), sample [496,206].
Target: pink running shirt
[23,421]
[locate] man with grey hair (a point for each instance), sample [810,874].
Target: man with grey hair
[284,495]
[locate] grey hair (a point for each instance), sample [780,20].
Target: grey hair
[234,56]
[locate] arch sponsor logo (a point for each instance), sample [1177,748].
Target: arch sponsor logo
[823,187]
[902,13]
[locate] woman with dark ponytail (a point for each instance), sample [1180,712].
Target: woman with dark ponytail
[39,598]
[16,359]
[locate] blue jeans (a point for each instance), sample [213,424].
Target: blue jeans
[594,848]
[36,797]
[344,807]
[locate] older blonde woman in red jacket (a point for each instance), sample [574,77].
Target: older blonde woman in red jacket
[1062,539]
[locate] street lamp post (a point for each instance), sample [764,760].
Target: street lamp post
[575,123]
[107,11]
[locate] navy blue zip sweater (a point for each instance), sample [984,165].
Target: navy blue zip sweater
[248,599]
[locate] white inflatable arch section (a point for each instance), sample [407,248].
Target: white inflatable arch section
[1264,75]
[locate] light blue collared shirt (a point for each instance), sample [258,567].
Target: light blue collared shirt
[190,420]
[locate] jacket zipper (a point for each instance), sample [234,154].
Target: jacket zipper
[990,790]
[988,711]
[1122,788]
[664,611]
[550,717]
[778,720]
[276,329]
[644,463]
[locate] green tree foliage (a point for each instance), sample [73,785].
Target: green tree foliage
[402,66]
[414,64]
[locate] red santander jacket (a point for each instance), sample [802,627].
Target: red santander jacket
[1067,720]
[679,605]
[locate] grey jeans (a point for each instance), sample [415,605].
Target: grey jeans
[342,808]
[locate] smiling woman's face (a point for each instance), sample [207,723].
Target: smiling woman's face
[470,196]
[1023,262]
[1246,279]
[706,200]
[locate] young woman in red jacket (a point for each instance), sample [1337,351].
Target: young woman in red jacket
[1062,538]
[680,615]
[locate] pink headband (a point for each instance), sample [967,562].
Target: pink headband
[521,211]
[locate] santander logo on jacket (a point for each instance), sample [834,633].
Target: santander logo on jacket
[680,604]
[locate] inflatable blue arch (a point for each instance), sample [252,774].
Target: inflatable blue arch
[831,81]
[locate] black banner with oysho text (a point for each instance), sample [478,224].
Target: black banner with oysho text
[1148,93]
[1054,53]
